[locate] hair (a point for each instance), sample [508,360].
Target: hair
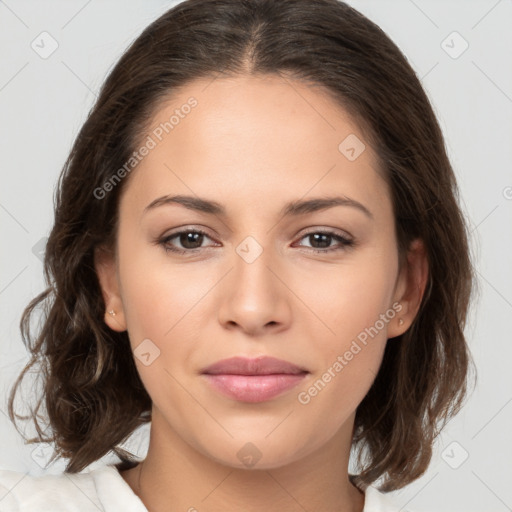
[92,393]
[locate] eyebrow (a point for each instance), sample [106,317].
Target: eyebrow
[294,208]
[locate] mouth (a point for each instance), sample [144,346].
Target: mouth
[253,380]
[262,365]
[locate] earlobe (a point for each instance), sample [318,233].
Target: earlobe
[105,266]
[114,321]
[412,283]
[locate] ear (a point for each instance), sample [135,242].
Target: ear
[410,287]
[106,269]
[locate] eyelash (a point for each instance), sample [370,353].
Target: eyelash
[344,242]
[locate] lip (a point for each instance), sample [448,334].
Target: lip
[253,380]
[262,365]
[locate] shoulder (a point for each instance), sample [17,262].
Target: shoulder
[376,501]
[23,491]
[102,488]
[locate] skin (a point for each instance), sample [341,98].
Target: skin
[254,144]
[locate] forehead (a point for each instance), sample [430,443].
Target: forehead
[244,138]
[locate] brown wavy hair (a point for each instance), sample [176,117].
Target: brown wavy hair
[92,393]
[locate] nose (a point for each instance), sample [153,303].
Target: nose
[254,296]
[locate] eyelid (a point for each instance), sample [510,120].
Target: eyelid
[198,228]
[326,230]
[164,240]
[345,240]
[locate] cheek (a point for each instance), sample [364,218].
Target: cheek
[356,298]
[168,303]
[356,306]
[352,353]
[164,302]
[157,292]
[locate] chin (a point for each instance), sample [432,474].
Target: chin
[260,454]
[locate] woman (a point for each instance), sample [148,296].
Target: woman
[258,248]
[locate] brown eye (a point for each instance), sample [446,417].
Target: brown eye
[189,240]
[320,241]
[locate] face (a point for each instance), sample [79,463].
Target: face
[250,264]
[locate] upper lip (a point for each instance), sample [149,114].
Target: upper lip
[263,365]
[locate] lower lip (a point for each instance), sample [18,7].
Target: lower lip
[254,388]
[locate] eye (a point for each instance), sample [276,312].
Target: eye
[320,241]
[191,240]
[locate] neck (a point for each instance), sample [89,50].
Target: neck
[176,477]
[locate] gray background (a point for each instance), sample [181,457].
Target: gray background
[44,101]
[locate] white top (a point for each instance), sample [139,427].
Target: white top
[102,489]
